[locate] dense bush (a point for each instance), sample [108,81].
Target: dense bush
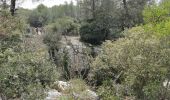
[135,67]
[39,17]
[140,62]
[52,40]
[24,75]
[157,18]
[20,71]
[93,33]
[68,26]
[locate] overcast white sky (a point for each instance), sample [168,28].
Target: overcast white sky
[49,3]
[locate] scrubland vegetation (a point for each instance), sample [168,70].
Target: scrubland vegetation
[123,51]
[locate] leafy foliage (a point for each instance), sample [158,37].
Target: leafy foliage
[93,33]
[157,18]
[68,26]
[106,19]
[21,72]
[133,67]
[65,10]
[39,17]
[140,60]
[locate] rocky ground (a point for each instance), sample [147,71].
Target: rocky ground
[65,91]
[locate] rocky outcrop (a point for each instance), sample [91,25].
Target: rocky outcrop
[53,95]
[61,87]
[86,95]
[166,83]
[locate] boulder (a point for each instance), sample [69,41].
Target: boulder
[92,95]
[86,95]
[53,95]
[61,86]
[166,83]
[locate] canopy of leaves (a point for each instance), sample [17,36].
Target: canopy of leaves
[141,60]
[39,17]
[157,18]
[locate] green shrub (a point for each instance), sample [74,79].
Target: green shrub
[52,40]
[107,91]
[157,18]
[24,75]
[140,61]
[20,71]
[78,86]
[34,91]
[77,90]
[93,33]
[39,17]
[68,26]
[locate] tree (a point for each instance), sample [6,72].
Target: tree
[4,5]
[22,72]
[112,16]
[39,17]
[126,13]
[72,10]
[12,8]
[12,5]
[157,18]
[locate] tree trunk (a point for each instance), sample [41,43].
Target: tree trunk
[93,9]
[125,6]
[12,8]
[126,17]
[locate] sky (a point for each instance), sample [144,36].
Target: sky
[28,4]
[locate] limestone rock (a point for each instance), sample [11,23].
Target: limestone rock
[53,95]
[61,86]
[86,95]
